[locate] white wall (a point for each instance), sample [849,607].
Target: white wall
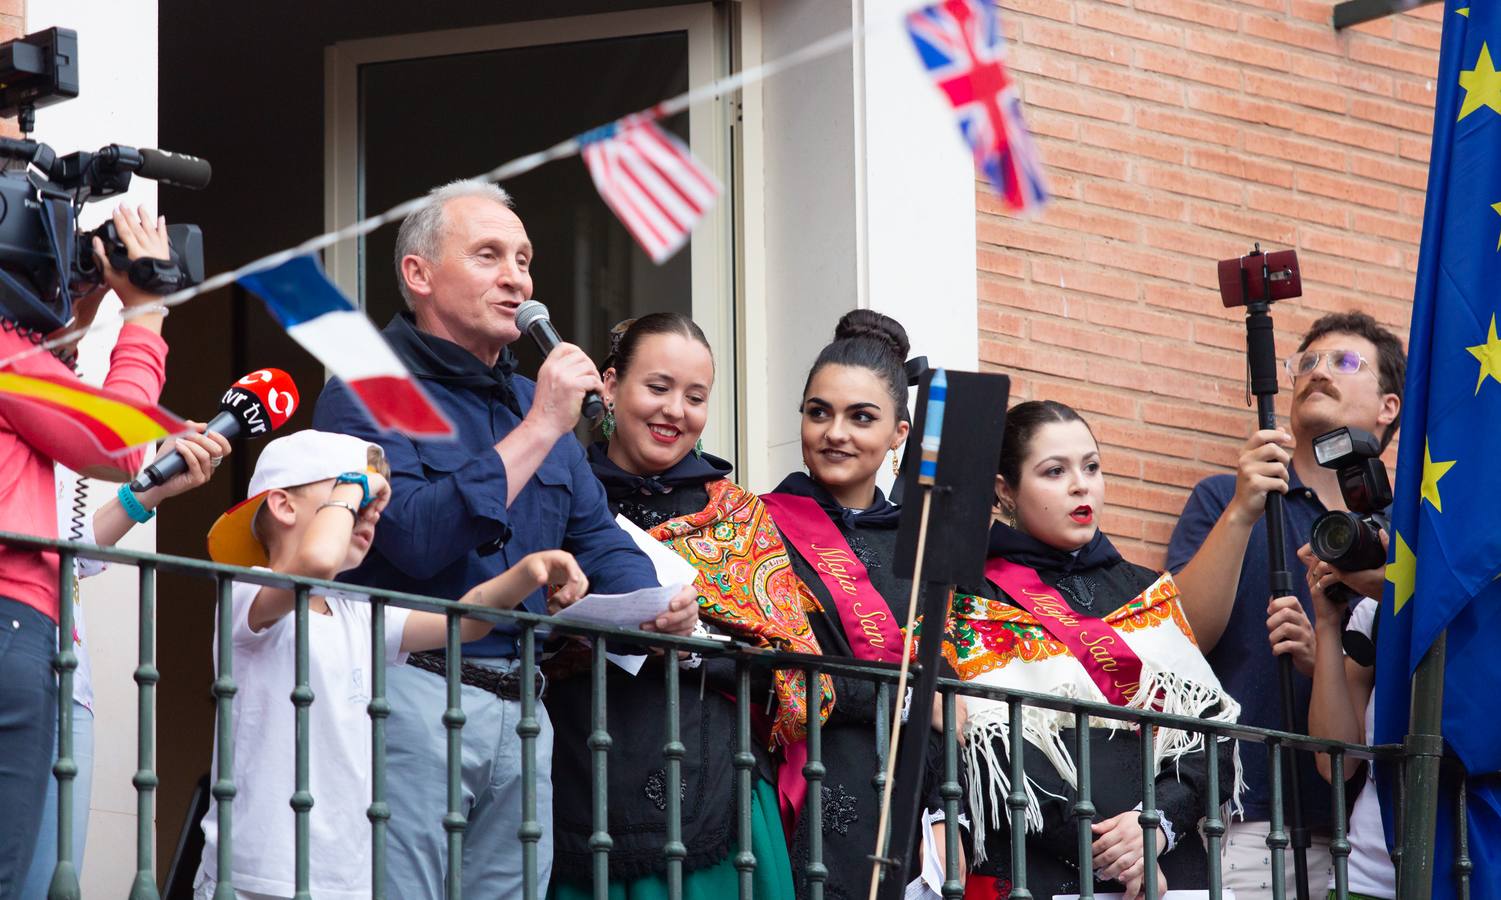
[117,103]
[919,200]
[859,192]
[808,199]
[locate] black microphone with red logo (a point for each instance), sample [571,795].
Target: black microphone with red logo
[254,406]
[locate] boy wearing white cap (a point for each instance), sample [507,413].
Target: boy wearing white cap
[315,499]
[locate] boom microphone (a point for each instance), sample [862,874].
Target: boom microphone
[532,317]
[254,406]
[164,166]
[176,169]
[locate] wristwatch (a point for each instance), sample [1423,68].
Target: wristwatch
[360,479]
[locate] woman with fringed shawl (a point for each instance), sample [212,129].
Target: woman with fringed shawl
[656,475]
[1062,613]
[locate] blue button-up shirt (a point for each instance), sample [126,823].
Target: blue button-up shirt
[1243,657]
[448,526]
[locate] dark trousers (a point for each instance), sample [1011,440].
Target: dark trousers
[28,727]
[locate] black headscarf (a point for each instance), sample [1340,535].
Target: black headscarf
[619,484]
[1028,551]
[882,513]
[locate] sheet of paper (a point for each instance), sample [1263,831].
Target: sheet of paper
[671,568]
[621,610]
[630,662]
[928,885]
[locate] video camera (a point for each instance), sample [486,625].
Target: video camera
[46,261]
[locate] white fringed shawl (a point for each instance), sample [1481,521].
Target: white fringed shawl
[1000,645]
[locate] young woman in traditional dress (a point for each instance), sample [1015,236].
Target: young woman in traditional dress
[656,475]
[1063,613]
[841,532]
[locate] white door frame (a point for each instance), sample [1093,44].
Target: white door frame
[712,248]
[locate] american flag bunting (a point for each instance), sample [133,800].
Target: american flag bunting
[651,181]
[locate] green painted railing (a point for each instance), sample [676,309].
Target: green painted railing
[65,883]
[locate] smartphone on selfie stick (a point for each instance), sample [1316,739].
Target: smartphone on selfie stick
[1256,281]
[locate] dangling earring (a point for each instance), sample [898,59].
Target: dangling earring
[896,464]
[1011,517]
[698,448]
[607,424]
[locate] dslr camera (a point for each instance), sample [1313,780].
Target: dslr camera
[1351,540]
[46,260]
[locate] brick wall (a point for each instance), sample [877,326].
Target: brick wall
[1175,133]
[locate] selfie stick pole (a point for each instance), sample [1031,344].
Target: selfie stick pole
[927,469]
[1261,355]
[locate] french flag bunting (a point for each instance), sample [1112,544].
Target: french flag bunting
[651,181]
[317,316]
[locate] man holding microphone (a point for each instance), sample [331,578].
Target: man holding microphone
[514,481]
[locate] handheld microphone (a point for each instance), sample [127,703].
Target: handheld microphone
[532,317]
[254,406]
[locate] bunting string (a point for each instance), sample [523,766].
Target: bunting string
[515,167]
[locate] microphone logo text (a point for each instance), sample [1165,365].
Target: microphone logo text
[247,408]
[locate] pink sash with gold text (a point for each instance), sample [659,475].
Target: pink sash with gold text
[1112,665]
[867,620]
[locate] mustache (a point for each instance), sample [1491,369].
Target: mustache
[1323,387]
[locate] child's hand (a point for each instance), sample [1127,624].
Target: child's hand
[380,491]
[558,569]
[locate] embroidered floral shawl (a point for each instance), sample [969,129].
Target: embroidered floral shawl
[746,584]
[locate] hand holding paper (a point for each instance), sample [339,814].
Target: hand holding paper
[633,610]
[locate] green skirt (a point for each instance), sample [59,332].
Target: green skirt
[772,879]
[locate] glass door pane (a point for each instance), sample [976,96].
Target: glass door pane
[426,121]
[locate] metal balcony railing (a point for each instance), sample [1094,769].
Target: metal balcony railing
[65,885]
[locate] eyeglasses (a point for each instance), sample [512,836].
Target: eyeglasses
[1345,362]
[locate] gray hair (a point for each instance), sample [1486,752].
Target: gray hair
[421,232]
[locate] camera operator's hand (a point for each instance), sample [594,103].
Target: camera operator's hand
[1289,631]
[566,375]
[144,237]
[1262,468]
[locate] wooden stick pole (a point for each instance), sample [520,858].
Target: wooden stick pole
[901,691]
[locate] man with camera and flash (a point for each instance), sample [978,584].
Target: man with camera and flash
[1348,372]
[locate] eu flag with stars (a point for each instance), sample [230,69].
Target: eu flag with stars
[1446,520]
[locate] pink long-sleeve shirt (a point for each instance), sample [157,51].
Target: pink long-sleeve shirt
[28,495]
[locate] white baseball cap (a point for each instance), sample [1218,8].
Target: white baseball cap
[297,459]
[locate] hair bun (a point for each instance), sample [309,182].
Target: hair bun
[617,334]
[867,323]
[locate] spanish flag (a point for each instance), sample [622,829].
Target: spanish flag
[87,429]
